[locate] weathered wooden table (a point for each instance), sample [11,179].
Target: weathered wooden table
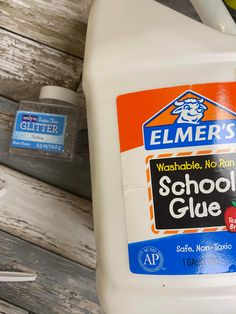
[46,215]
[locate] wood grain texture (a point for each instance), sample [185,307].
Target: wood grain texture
[61,287]
[7,308]
[58,23]
[70,176]
[25,66]
[48,217]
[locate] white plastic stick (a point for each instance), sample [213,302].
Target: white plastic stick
[215,14]
[16,276]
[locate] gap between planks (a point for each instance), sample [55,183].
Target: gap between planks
[39,43]
[8,308]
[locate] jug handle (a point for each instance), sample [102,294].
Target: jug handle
[215,14]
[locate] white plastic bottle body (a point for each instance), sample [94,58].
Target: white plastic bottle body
[136,45]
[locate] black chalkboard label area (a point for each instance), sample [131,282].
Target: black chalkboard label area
[193,192]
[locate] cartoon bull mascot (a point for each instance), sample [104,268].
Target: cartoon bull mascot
[190,110]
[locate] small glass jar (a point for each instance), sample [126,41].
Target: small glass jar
[47,127]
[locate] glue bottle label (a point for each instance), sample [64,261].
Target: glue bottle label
[178,156]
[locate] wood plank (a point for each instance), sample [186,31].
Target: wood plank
[58,23]
[25,66]
[71,176]
[49,217]
[7,308]
[62,286]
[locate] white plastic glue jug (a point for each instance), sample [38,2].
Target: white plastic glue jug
[161,102]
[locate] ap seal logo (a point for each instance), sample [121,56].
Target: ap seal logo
[150,259]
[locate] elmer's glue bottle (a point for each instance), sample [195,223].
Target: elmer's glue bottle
[161,102]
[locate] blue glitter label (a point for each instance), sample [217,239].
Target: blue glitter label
[34,130]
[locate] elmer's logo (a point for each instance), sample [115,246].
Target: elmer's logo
[190,120]
[190,110]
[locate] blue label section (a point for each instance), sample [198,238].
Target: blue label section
[34,130]
[38,146]
[191,254]
[184,135]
